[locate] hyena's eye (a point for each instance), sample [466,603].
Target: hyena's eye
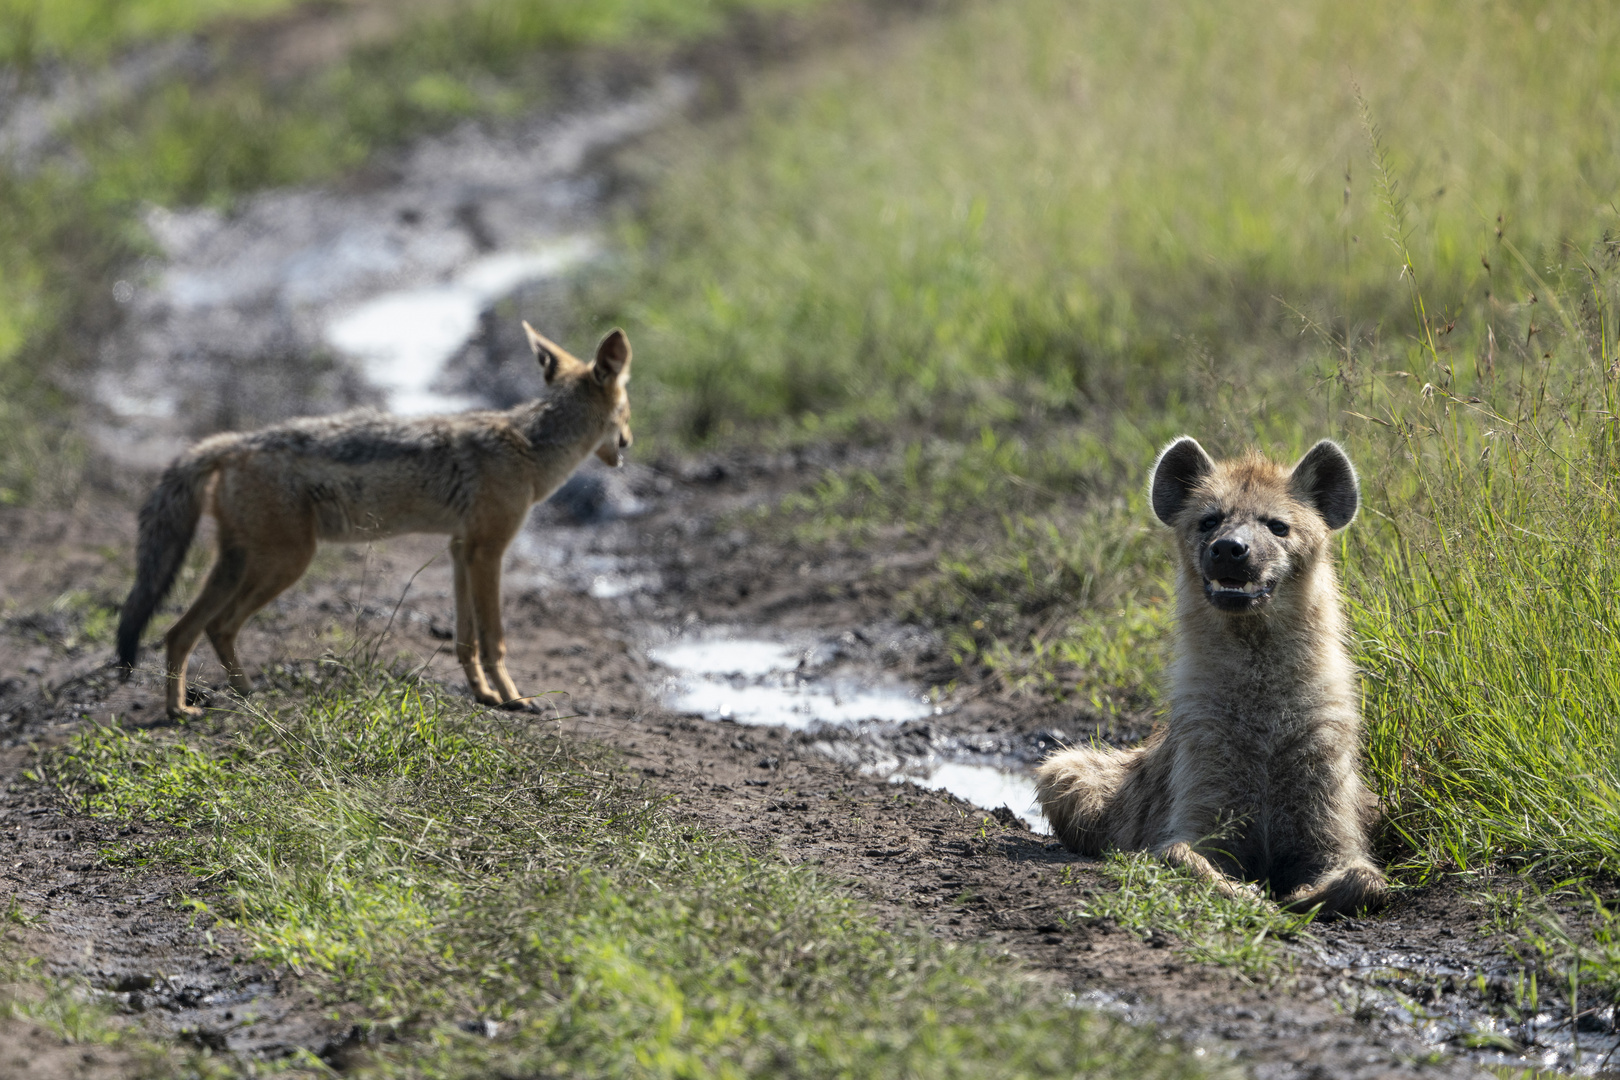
[1278,528]
[1209,522]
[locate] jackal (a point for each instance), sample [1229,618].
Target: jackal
[361,476]
[1253,778]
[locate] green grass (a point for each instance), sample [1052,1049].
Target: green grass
[33,32]
[435,863]
[1026,243]
[1242,933]
[188,143]
[1073,207]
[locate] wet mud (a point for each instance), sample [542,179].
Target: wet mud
[765,686]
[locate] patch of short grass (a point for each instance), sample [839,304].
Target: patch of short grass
[34,32]
[1151,898]
[442,865]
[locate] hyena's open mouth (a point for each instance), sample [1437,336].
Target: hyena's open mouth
[1230,594]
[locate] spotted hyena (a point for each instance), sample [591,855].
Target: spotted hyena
[1253,779]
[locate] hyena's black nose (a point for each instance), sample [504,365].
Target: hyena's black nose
[1227,556]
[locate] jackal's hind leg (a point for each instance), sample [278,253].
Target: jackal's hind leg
[1078,790]
[269,570]
[223,580]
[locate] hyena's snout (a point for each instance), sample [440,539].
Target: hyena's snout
[1227,560]
[1238,575]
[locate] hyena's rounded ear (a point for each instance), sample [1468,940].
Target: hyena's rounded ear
[1325,479]
[548,352]
[1179,468]
[612,357]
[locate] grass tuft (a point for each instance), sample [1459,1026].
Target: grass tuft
[1153,899]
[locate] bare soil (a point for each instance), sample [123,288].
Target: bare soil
[1371,997]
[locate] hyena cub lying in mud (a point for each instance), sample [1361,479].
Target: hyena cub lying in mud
[362,476]
[1254,777]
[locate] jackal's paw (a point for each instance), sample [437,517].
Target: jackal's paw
[521,704]
[185,712]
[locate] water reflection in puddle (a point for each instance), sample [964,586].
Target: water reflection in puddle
[988,786]
[759,683]
[750,681]
[403,339]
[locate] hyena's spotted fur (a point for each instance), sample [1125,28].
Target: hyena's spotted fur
[1254,778]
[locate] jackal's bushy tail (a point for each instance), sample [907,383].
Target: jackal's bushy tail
[168,521]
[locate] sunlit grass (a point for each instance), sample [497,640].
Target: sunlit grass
[35,31]
[1241,932]
[1084,206]
[437,863]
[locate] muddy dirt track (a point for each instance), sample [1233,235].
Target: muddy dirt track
[798,727]
[589,604]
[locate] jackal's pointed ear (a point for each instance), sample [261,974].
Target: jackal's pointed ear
[548,352]
[612,357]
[1325,479]
[1180,467]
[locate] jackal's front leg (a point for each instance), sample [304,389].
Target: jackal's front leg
[484,577]
[467,627]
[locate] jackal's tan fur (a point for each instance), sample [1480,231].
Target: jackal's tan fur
[361,476]
[1254,777]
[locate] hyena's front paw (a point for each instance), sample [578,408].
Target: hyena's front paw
[1238,890]
[1345,892]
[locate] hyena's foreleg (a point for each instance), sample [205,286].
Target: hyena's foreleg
[1079,792]
[1184,856]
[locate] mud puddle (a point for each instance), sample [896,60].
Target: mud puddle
[1476,999]
[310,300]
[850,713]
